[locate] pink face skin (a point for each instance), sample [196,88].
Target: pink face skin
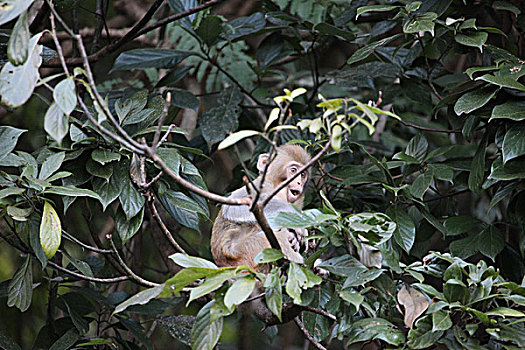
[293,191]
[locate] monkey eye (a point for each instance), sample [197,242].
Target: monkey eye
[293,170]
[303,174]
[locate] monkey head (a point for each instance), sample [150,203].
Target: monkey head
[288,160]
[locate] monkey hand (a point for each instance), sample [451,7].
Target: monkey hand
[296,237]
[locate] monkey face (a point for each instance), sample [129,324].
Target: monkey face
[295,189]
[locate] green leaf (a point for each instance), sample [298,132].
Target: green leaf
[236,137]
[241,27]
[441,320]
[474,99]
[336,138]
[342,265]
[375,8]
[417,147]
[477,169]
[367,50]
[420,23]
[184,99]
[191,261]
[211,283]
[171,158]
[125,227]
[103,156]
[239,291]
[150,58]
[131,199]
[368,329]
[274,294]
[514,110]
[20,289]
[507,6]
[490,242]
[179,327]
[205,334]
[473,39]
[11,9]
[209,29]
[50,230]
[218,122]
[421,184]
[65,96]
[18,82]
[140,298]
[71,191]
[7,343]
[352,297]
[66,341]
[457,225]
[300,278]
[514,143]
[8,139]
[505,312]
[107,191]
[56,123]
[502,81]
[405,232]
[18,44]
[268,255]
[50,165]
[11,191]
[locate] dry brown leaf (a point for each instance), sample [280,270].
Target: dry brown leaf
[415,303]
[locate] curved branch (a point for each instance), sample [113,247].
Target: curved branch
[130,272]
[303,329]
[88,278]
[164,229]
[419,127]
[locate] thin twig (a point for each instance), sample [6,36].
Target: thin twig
[419,127]
[163,116]
[93,249]
[130,272]
[164,229]
[303,329]
[88,278]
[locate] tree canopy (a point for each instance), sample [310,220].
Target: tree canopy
[125,124]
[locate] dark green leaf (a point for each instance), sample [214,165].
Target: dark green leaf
[473,39]
[8,139]
[184,99]
[477,169]
[131,199]
[209,29]
[514,143]
[7,343]
[420,23]
[243,26]
[368,329]
[173,77]
[474,99]
[417,147]
[103,156]
[150,58]
[218,122]
[107,191]
[514,110]
[457,225]
[71,191]
[421,184]
[441,320]
[405,232]
[179,327]
[126,227]
[502,81]
[342,265]
[274,294]
[367,50]
[20,287]
[491,242]
[66,341]
[205,334]
[18,44]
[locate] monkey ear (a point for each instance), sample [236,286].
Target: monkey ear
[261,162]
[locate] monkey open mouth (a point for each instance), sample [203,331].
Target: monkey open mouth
[293,195]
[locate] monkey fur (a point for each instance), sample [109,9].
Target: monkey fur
[236,236]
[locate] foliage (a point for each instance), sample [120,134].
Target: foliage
[415,204]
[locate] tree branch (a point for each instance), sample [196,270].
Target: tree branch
[307,334]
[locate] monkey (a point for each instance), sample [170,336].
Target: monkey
[236,236]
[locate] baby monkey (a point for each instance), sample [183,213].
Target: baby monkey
[236,236]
